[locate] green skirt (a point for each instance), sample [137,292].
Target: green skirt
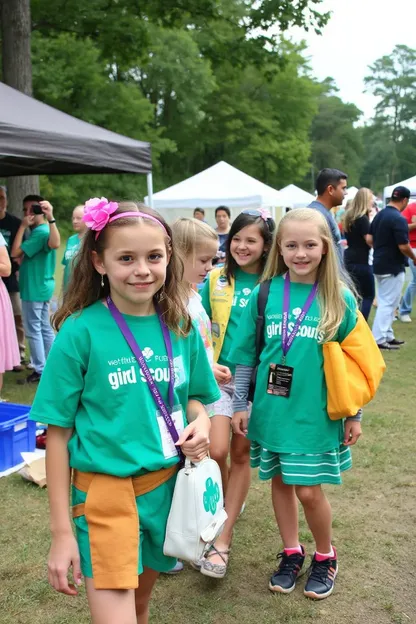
[301,469]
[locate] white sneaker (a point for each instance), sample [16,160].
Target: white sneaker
[178,567]
[405,318]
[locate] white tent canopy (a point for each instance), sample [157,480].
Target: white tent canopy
[410,183]
[292,196]
[218,185]
[351,193]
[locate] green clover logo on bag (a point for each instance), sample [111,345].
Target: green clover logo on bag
[211,496]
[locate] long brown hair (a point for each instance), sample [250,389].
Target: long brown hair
[332,284]
[85,285]
[245,218]
[359,206]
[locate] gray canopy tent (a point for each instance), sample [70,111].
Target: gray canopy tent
[36,139]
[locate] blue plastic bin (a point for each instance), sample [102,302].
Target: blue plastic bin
[17,434]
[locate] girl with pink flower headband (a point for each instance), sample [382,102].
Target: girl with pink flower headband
[104,422]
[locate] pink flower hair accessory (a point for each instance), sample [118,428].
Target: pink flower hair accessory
[265,214]
[97,213]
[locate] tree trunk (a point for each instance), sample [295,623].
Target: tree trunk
[17,73]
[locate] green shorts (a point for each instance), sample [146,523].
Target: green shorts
[153,509]
[301,469]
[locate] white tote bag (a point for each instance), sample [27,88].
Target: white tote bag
[197,515]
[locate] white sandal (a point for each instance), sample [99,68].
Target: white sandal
[215,570]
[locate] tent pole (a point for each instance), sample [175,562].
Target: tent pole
[149,177]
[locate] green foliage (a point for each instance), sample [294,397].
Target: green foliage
[390,140]
[69,75]
[176,79]
[393,80]
[259,120]
[336,142]
[205,80]
[173,71]
[303,13]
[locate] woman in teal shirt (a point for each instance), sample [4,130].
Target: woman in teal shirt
[73,243]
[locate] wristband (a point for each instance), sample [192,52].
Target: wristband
[52,221]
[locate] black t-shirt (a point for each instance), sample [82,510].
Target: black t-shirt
[8,227]
[358,250]
[389,230]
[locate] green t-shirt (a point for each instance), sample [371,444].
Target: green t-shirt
[92,383]
[244,285]
[73,245]
[36,275]
[300,423]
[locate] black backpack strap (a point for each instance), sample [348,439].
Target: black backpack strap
[261,307]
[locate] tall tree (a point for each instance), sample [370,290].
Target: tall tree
[393,81]
[172,70]
[17,72]
[336,142]
[259,117]
[69,75]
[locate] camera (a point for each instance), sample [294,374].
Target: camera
[37,209]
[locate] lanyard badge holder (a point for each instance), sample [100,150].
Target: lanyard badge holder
[137,352]
[280,376]
[197,515]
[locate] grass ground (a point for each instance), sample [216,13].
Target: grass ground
[374,531]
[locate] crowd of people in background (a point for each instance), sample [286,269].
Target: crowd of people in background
[128,258]
[31,244]
[377,245]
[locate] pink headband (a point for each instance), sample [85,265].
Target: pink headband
[97,214]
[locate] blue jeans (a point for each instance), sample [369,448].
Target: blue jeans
[406,304]
[39,332]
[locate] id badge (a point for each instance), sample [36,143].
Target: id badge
[279,380]
[168,448]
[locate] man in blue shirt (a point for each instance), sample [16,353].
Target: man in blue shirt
[390,234]
[331,188]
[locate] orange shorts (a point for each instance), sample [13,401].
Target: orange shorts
[121,524]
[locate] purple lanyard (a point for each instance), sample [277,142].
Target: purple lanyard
[287,341]
[137,352]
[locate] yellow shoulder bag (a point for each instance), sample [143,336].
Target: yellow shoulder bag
[353,371]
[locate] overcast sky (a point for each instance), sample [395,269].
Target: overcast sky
[358,33]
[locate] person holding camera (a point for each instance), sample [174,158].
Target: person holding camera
[9,224]
[38,260]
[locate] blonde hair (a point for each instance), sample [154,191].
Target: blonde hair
[357,207]
[331,284]
[189,234]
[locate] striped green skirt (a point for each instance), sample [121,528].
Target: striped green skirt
[301,469]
